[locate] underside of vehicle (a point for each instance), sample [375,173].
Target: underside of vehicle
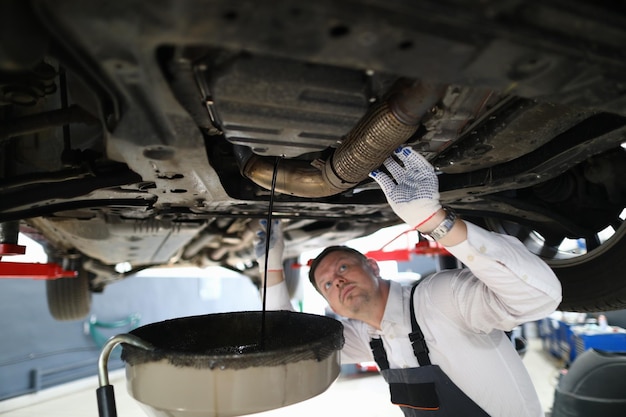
[155,133]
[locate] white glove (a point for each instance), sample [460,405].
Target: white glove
[276,246]
[414,195]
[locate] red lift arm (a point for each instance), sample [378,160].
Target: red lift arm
[29,270]
[422,247]
[34,270]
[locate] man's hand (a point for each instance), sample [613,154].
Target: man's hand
[276,246]
[412,190]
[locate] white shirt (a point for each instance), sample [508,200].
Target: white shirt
[462,314]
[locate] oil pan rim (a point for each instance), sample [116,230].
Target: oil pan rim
[193,341]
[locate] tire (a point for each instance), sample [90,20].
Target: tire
[69,298]
[592,280]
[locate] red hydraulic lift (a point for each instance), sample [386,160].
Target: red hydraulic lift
[8,246]
[422,247]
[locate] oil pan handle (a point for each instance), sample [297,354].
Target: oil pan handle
[105,393]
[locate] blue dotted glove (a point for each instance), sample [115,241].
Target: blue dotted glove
[412,190]
[276,246]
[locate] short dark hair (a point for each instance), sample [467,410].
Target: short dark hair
[337,248]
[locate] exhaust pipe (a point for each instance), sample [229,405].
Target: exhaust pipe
[386,126]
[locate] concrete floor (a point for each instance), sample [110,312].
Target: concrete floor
[365,395]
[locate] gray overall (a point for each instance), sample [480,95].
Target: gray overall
[425,390]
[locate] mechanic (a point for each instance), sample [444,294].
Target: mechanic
[440,343]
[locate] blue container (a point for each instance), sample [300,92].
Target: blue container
[608,342]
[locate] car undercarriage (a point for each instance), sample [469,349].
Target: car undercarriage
[152,133]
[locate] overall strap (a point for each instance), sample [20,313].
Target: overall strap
[417,340]
[380,355]
[416,336]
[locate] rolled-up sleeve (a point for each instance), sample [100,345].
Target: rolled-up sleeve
[507,286]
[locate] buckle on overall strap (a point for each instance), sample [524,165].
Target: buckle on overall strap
[380,355]
[419,347]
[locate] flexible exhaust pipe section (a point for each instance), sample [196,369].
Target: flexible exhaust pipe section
[385,127]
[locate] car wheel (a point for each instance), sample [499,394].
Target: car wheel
[69,298]
[589,268]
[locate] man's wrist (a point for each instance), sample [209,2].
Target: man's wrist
[456,234]
[275,276]
[445,226]
[432,222]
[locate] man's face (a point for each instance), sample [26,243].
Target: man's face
[348,283]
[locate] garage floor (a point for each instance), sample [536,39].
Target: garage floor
[364,395]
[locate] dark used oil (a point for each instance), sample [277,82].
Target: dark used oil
[268,234]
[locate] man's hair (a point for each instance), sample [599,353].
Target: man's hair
[338,248]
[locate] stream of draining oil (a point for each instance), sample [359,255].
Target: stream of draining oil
[268,234]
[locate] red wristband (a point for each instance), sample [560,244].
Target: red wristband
[428,218]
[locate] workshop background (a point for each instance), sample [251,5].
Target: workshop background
[49,367]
